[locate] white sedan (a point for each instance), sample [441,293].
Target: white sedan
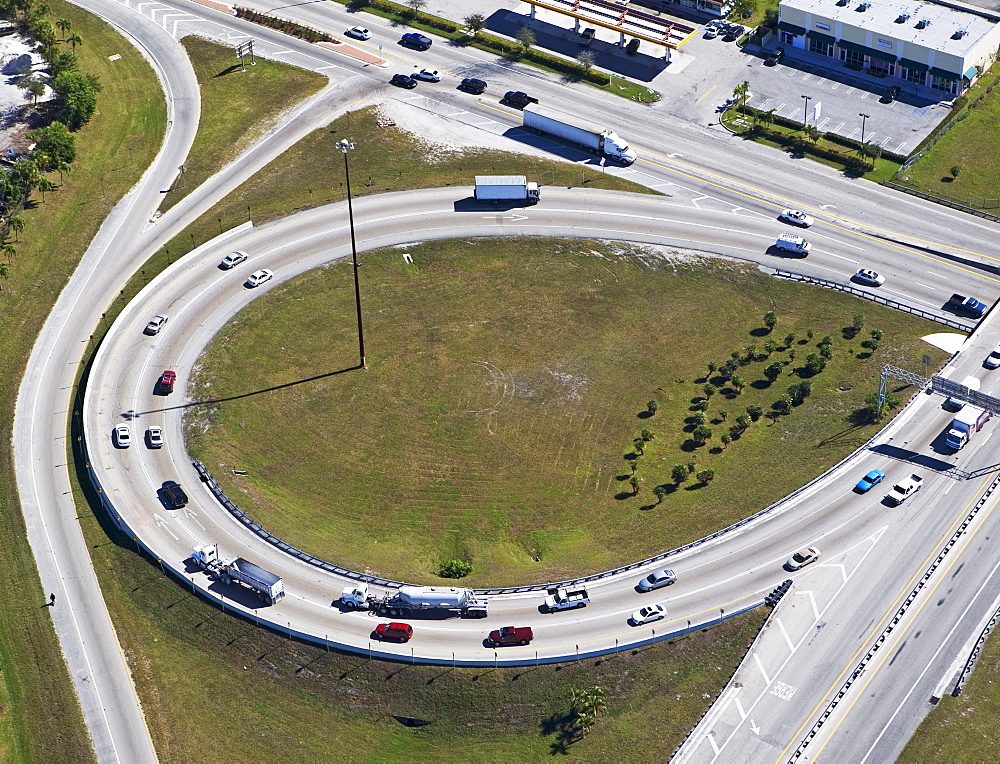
[155,324]
[803,557]
[796,217]
[993,359]
[869,277]
[258,277]
[233,259]
[123,438]
[648,614]
[358,33]
[428,75]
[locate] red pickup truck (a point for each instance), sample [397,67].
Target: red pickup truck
[510,635]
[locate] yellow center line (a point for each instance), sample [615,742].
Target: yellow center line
[705,94]
[892,609]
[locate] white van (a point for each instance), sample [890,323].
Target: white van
[956,404]
[791,242]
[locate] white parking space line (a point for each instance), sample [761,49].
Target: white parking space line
[760,668]
[823,123]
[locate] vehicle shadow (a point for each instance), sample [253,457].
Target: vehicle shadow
[920,460]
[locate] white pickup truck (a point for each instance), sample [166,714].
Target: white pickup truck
[566,598]
[904,489]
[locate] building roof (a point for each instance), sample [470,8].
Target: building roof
[950,27]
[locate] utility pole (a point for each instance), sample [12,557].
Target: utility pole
[344,147]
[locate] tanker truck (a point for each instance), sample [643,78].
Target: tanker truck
[268,586]
[408,600]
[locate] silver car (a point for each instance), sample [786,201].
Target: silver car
[155,324]
[803,557]
[656,580]
[993,359]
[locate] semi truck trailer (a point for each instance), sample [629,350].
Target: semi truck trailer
[268,586]
[506,188]
[408,600]
[591,135]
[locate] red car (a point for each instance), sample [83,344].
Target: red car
[167,380]
[401,632]
[510,635]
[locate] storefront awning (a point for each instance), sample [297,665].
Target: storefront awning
[914,65]
[945,75]
[821,37]
[784,26]
[971,73]
[848,45]
[882,55]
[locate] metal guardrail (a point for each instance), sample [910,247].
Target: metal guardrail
[974,655]
[942,201]
[876,298]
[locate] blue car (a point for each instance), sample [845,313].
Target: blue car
[416,40]
[873,478]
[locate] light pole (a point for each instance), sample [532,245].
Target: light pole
[805,111]
[864,118]
[346,146]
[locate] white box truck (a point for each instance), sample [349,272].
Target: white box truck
[591,135]
[966,423]
[505,188]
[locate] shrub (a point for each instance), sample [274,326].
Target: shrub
[455,569]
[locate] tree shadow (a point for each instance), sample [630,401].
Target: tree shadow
[760,331]
[644,415]
[565,730]
[761,384]
[622,495]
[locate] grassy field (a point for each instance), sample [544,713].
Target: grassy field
[973,145]
[41,720]
[507,383]
[964,728]
[233,113]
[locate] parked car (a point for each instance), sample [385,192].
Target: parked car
[774,57]
[154,437]
[891,94]
[870,480]
[416,40]
[358,33]
[122,436]
[174,494]
[428,75]
[803,557]
[733,32]
[155,324]
[587,36]
[401,632]
[648,614]
[166,382]
[258,277]
[403,81]
[869,277]
[796,217]
[510,635]
[993,359]
[472,85]
[711,32]
[518,98]
[233,259]
[656,580]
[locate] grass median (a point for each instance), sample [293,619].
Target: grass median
[41,719]
[508,383]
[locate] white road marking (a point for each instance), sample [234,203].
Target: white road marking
[760,668]
[784,633]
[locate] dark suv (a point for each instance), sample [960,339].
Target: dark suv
[890,95]
[416,40]
[403,81]
[774,57]
[518,99]
[174,494]
[472,85]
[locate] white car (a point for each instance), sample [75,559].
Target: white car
[359,33]
[648,614]
[428,75]
[802,558]
[123,438]
[155,324]
[233,259]
[656,580]
[711,32]
[154,437]
[258,277]
[869,277]
[993,359]
[796,217]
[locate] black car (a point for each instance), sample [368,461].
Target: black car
[174,494]
[518,99]
[472,85]
[403,81]
[416,40]
[774,57]
[890,95]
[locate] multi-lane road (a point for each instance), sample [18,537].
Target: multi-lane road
[722,198]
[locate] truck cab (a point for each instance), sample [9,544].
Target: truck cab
[510,635]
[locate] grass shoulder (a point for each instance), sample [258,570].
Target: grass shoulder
[41,719]
[237,107]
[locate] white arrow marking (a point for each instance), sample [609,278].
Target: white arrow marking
[163,524]
[754,728]
[828,206]
[190,515]
[512,218]
[674,156]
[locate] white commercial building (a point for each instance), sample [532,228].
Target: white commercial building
[936,44]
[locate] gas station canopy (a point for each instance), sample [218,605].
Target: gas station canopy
[616,15]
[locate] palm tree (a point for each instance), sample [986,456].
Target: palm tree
[812,132]
[8,249]
[870,150]
[646,435]
[4,271]
[652,407]
[740,93]
[738,383]
[16,224]
[44,184]
[659,492]
[74,40]
[475,23]
[62,166]
[639,443]
[634,482]
[64,26]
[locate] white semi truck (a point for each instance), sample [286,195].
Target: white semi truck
[595,137]
[506,188]
[268,586]
[412,599]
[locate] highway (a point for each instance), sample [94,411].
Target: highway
[714,179]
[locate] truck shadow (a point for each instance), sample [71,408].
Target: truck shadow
[472,204]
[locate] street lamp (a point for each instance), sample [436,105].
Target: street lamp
[344,147]
[864,118]
[805,111]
